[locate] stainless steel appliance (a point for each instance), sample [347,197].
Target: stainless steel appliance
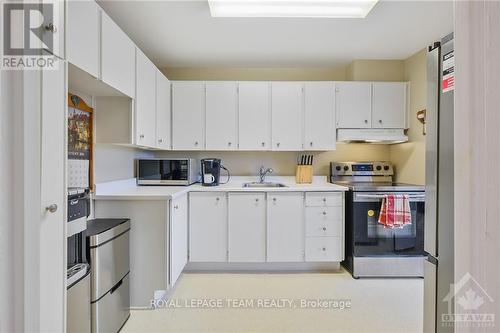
[170,171]
[78,210]
[210,171]
[439,174]
[108,247]
[372,250]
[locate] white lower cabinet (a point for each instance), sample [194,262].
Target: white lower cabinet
[285,227]
[247,227]
[178,237]
[208,227]
[323,249]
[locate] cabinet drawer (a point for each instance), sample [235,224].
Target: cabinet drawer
[323,199]
[323,221]
[324,249]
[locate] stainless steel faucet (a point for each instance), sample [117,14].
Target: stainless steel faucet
[263,172]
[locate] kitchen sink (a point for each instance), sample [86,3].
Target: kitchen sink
[263,185]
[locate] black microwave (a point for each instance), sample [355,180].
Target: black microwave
[167,171]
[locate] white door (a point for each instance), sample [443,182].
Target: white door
[117,57]
[286,109]
[163,112]
[221,122]
[207,227]
[319,116]
[83,35]
[188,115]
[389,104]
[52,261]
[254,116]
[353,100]
[178,237]
[285,227]
[247,227]
[145,102]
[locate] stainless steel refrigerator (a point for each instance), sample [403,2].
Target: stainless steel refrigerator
[439,171]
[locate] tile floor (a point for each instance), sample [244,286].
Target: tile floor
[377,305]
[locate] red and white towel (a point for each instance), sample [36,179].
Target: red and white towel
[395,211]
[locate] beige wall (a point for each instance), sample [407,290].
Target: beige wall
[409,157]
[254,74]
[376,70]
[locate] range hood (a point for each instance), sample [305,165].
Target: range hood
[372,135]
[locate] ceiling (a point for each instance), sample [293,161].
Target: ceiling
[183,34]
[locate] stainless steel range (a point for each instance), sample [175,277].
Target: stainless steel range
[371,249]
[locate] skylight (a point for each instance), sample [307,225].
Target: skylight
[291,8]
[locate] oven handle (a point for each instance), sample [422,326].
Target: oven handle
[412,197]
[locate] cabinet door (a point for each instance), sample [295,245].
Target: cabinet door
[285,227]
[254,118]
[353,100]
[83,35]
[117,57]
[247,227]
[319,116]
[145,101]
[163,113]
[207,227]
[389,105]
[178,237]
[286,109]
[221,108]
[188,107]
[53,31]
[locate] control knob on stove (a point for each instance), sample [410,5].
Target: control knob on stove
[386,167]
[346,168]
[378,168]
[338,167]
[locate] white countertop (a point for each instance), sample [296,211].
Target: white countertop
[128,190]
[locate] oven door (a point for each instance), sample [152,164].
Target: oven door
[372,238]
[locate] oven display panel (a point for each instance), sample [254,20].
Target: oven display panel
[362,167]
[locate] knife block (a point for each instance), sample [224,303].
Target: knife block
[304,174]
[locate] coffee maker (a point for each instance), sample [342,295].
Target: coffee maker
[210,171]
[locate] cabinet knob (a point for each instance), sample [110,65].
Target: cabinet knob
[323,249]
[366,121]
[196,143]
[52,208]
[311,143]
[324,228]
[160,140]
[51,27]
[324,213]
[256,199]
[380,121]
[324,199]
[274,199]
[229,143]
[176,207]
[278,144]
[217,199]
[263,144]
[141,136]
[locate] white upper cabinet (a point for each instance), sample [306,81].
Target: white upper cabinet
[117,57]
[286,109]
[254,118]
[319,116]
[145,102]
[285,227]
[188,107]
[83,35]
[247,227]
[353,104]
[221,115]
[207,227]
[163,111]
[389,105]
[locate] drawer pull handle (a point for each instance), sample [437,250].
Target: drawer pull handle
[116,286]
